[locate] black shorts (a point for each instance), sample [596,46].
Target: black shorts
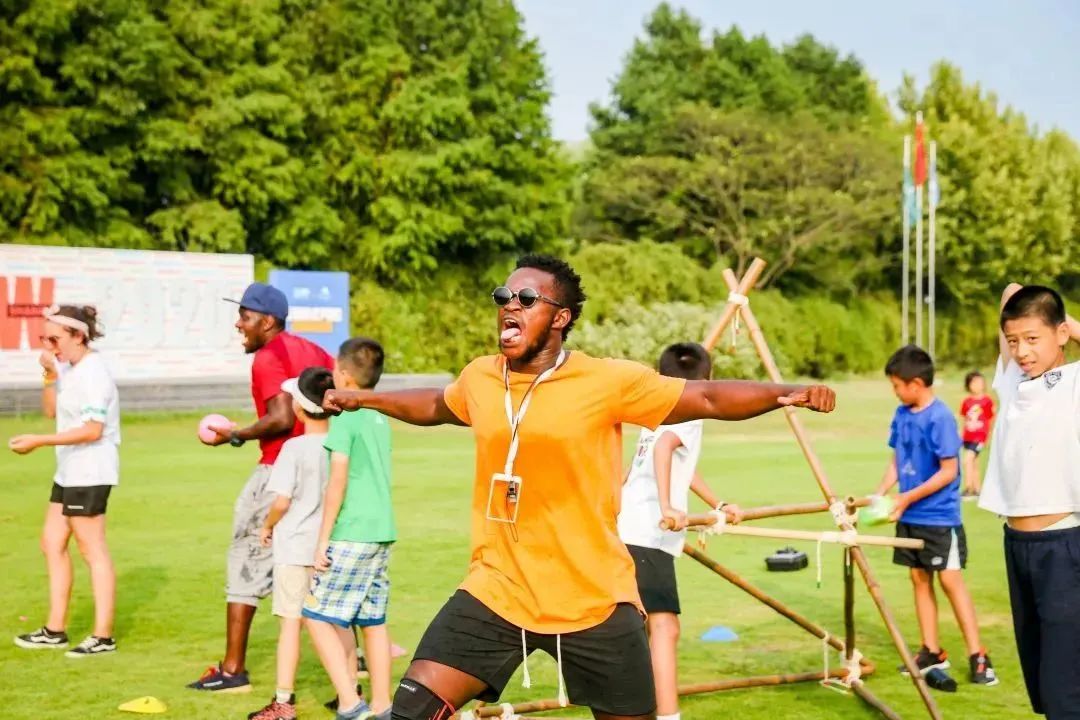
[975,447]
[946,547]
[606,667]
[1044,582]
[81,501]
[655,579]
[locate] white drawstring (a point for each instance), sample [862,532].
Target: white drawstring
[563,700]
[526,682]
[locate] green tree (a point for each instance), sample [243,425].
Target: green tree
[732,148]
[385,138]
[732,185]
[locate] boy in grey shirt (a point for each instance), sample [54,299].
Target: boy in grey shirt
[297,481]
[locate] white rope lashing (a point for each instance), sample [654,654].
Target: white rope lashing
[742,301]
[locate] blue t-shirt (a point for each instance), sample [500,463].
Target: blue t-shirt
[921,441]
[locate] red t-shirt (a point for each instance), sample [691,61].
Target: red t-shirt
[977,412]
[284,357]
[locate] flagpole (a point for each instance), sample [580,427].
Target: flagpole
[905,330]
[932,282]
[918,267]
[918,243]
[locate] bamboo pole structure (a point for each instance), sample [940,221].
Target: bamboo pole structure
[769,363]
[768,511]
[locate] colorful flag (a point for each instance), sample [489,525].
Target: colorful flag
[920,152]
[909,197]
[932,189]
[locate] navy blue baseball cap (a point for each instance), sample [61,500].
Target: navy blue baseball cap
[265,299]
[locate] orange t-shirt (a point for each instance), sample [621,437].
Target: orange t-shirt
[561,566]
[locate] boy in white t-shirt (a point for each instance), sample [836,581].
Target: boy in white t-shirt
[297,483]
[657,488]
[1033,480]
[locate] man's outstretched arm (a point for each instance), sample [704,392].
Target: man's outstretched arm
[741,400]
[424,406]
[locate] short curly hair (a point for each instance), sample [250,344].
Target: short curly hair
[567,283]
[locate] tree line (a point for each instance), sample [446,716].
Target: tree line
[406,141]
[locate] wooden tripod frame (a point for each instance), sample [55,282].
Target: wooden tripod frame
[853,556]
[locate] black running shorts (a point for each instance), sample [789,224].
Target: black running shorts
[81,501]
[655,579]
[606,667]
[946,547]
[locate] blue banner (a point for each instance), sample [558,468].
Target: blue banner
[318,305]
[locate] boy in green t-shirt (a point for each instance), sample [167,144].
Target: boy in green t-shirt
[352,588]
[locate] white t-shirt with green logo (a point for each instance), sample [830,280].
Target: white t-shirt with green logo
[86,392]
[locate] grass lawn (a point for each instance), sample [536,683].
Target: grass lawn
[169,524]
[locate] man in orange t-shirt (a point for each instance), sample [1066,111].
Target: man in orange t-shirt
[548,570]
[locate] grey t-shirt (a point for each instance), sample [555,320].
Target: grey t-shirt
[300,473]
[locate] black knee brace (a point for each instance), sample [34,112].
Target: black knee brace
[413,701]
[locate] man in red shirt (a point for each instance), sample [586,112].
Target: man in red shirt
[278,356]
[977,413]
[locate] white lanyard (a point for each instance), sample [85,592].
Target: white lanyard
[515,419]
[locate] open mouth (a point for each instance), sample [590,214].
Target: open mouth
[510,331]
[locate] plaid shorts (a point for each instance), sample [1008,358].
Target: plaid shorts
[355,590]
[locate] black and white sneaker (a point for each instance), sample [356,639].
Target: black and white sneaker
[92,645]
[43,639]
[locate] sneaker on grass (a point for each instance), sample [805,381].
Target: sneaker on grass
[217,680]
[43,639]
[92,645]
[982,671]
[332,705]
[362,711]
[927,661]
[276,711]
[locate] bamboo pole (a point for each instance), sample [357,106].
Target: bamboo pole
[737,580]
[828,536]
[849,595]
[771,369]
[742,288]
[818,471]
[859,688]
[894,632]
[535,706]
[768,511]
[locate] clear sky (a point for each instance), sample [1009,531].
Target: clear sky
[1027,51]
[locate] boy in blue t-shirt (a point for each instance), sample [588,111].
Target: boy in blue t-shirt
[926,446]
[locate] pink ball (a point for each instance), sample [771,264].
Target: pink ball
[213,419]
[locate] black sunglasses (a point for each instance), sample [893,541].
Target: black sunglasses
[502,295]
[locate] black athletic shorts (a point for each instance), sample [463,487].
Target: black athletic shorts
[81,501]
[655,579]
[606,667]
[975,447]
[1044,584]
[946,547]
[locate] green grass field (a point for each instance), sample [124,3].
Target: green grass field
[169,524]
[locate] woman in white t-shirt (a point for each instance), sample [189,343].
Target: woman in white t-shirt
[79,392]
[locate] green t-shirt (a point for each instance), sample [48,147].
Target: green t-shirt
[366,514]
